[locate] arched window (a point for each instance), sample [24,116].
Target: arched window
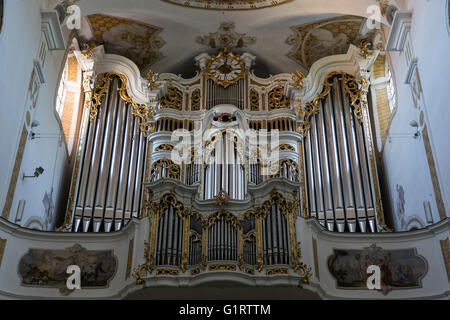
[69,98]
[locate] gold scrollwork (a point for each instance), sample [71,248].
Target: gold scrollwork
[196,99]
[104,80]
[165,147]
[152,79]
[195,271]
[286,147]
[254,100]
[173,169]
[275,271]
[222,198]
[229,217]
[167,272]
[351,87]
[278,100]
[173,99]
[222,267]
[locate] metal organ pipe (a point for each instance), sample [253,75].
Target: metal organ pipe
[338,176]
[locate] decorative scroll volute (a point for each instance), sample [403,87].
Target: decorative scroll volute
[278,100]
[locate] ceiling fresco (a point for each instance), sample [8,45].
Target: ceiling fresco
[137,41]
[226,36]
[312,42]
[228,4]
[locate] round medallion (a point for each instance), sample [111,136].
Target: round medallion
[226,69]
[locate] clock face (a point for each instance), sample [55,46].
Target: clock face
[226,69]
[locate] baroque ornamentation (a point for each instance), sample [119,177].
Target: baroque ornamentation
[135,40]
[286,147]
[158,210]
[104,80]
[222,267]
[351,86]
[196,99]
[317,40]
[165,147]
[226,36]
[254,100]
[228,4]
[172,168]
[173,99]
[226,68]
[278,100]
[152,79]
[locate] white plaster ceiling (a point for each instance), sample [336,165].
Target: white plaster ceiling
[182,25]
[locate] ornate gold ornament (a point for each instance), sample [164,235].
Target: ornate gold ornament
[276,271]
[298,79]
[89,50]
[225,118]
[278,100]
[167,272]
[222,267]
[254,100]
[286,147]
[165,147]
[104,80]
[226,69]
[173,99]
[152,79]
[196,99]
[364,48]
[222,198]
[157,211]
[174,169]
[351,87]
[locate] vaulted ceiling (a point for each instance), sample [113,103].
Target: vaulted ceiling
[166,35]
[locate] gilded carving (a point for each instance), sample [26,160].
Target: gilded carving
[196,99]
[254,100]
[172,168]
[165,147]
[277,271]
[167,272]
[173,99]
[222,267]
[104,80]
[278,100]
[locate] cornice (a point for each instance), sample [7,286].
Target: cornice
[401,26]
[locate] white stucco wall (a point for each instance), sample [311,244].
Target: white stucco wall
[19,45]
[404,157]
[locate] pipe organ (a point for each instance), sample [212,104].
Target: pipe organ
[339,181]
[221,206]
